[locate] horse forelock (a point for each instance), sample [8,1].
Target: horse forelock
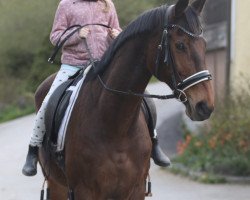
[144,24]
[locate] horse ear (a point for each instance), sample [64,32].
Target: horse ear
[180,7]
[198,5]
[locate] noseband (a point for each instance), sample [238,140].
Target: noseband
[164,47]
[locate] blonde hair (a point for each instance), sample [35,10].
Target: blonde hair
[106,7]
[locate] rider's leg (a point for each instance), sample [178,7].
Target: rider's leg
[159,157]
[29,168]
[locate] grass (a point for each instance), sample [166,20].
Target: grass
[13,112]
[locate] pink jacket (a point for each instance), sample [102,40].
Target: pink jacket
[72,12]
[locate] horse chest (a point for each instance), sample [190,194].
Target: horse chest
[120,158]
[118,175]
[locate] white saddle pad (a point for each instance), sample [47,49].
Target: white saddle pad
[63,128]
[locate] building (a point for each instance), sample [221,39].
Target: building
[240,39]
[215,20]
[227,33]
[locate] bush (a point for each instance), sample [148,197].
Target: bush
[40,68]
[18,64]
[225,148]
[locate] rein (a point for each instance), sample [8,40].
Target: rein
[60,43]
[129,92]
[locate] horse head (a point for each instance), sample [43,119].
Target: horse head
[181,59]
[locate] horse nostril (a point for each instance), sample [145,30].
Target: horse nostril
[203,109]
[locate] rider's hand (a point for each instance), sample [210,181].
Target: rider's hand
[83,32]
[113,33]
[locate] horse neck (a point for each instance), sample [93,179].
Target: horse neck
[127,72]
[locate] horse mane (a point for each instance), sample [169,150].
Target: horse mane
[144,24]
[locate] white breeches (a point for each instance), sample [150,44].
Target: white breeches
[39,128]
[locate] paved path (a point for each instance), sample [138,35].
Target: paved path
[14,138]
[167,186]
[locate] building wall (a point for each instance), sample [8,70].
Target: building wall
[216,62]
[215,16]
[240,60]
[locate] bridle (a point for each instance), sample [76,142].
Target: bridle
[179,87]
[164,47]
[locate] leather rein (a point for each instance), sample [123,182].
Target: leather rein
[164,47]
[61,42]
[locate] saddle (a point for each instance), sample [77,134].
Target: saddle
[56,108]
[58,104]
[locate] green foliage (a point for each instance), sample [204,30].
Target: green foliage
[19,66]
[24,24]
[40,69]
[23,27]
[225,147]
[13,111]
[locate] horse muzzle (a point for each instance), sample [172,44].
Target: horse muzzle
[200,112]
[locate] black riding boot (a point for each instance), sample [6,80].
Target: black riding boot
[158,155]
[29,169]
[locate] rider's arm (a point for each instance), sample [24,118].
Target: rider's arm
[61,24]
[113,21]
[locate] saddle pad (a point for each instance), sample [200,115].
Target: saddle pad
[74,91]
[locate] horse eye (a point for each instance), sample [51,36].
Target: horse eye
[180,46]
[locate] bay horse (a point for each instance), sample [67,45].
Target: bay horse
[108,147]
